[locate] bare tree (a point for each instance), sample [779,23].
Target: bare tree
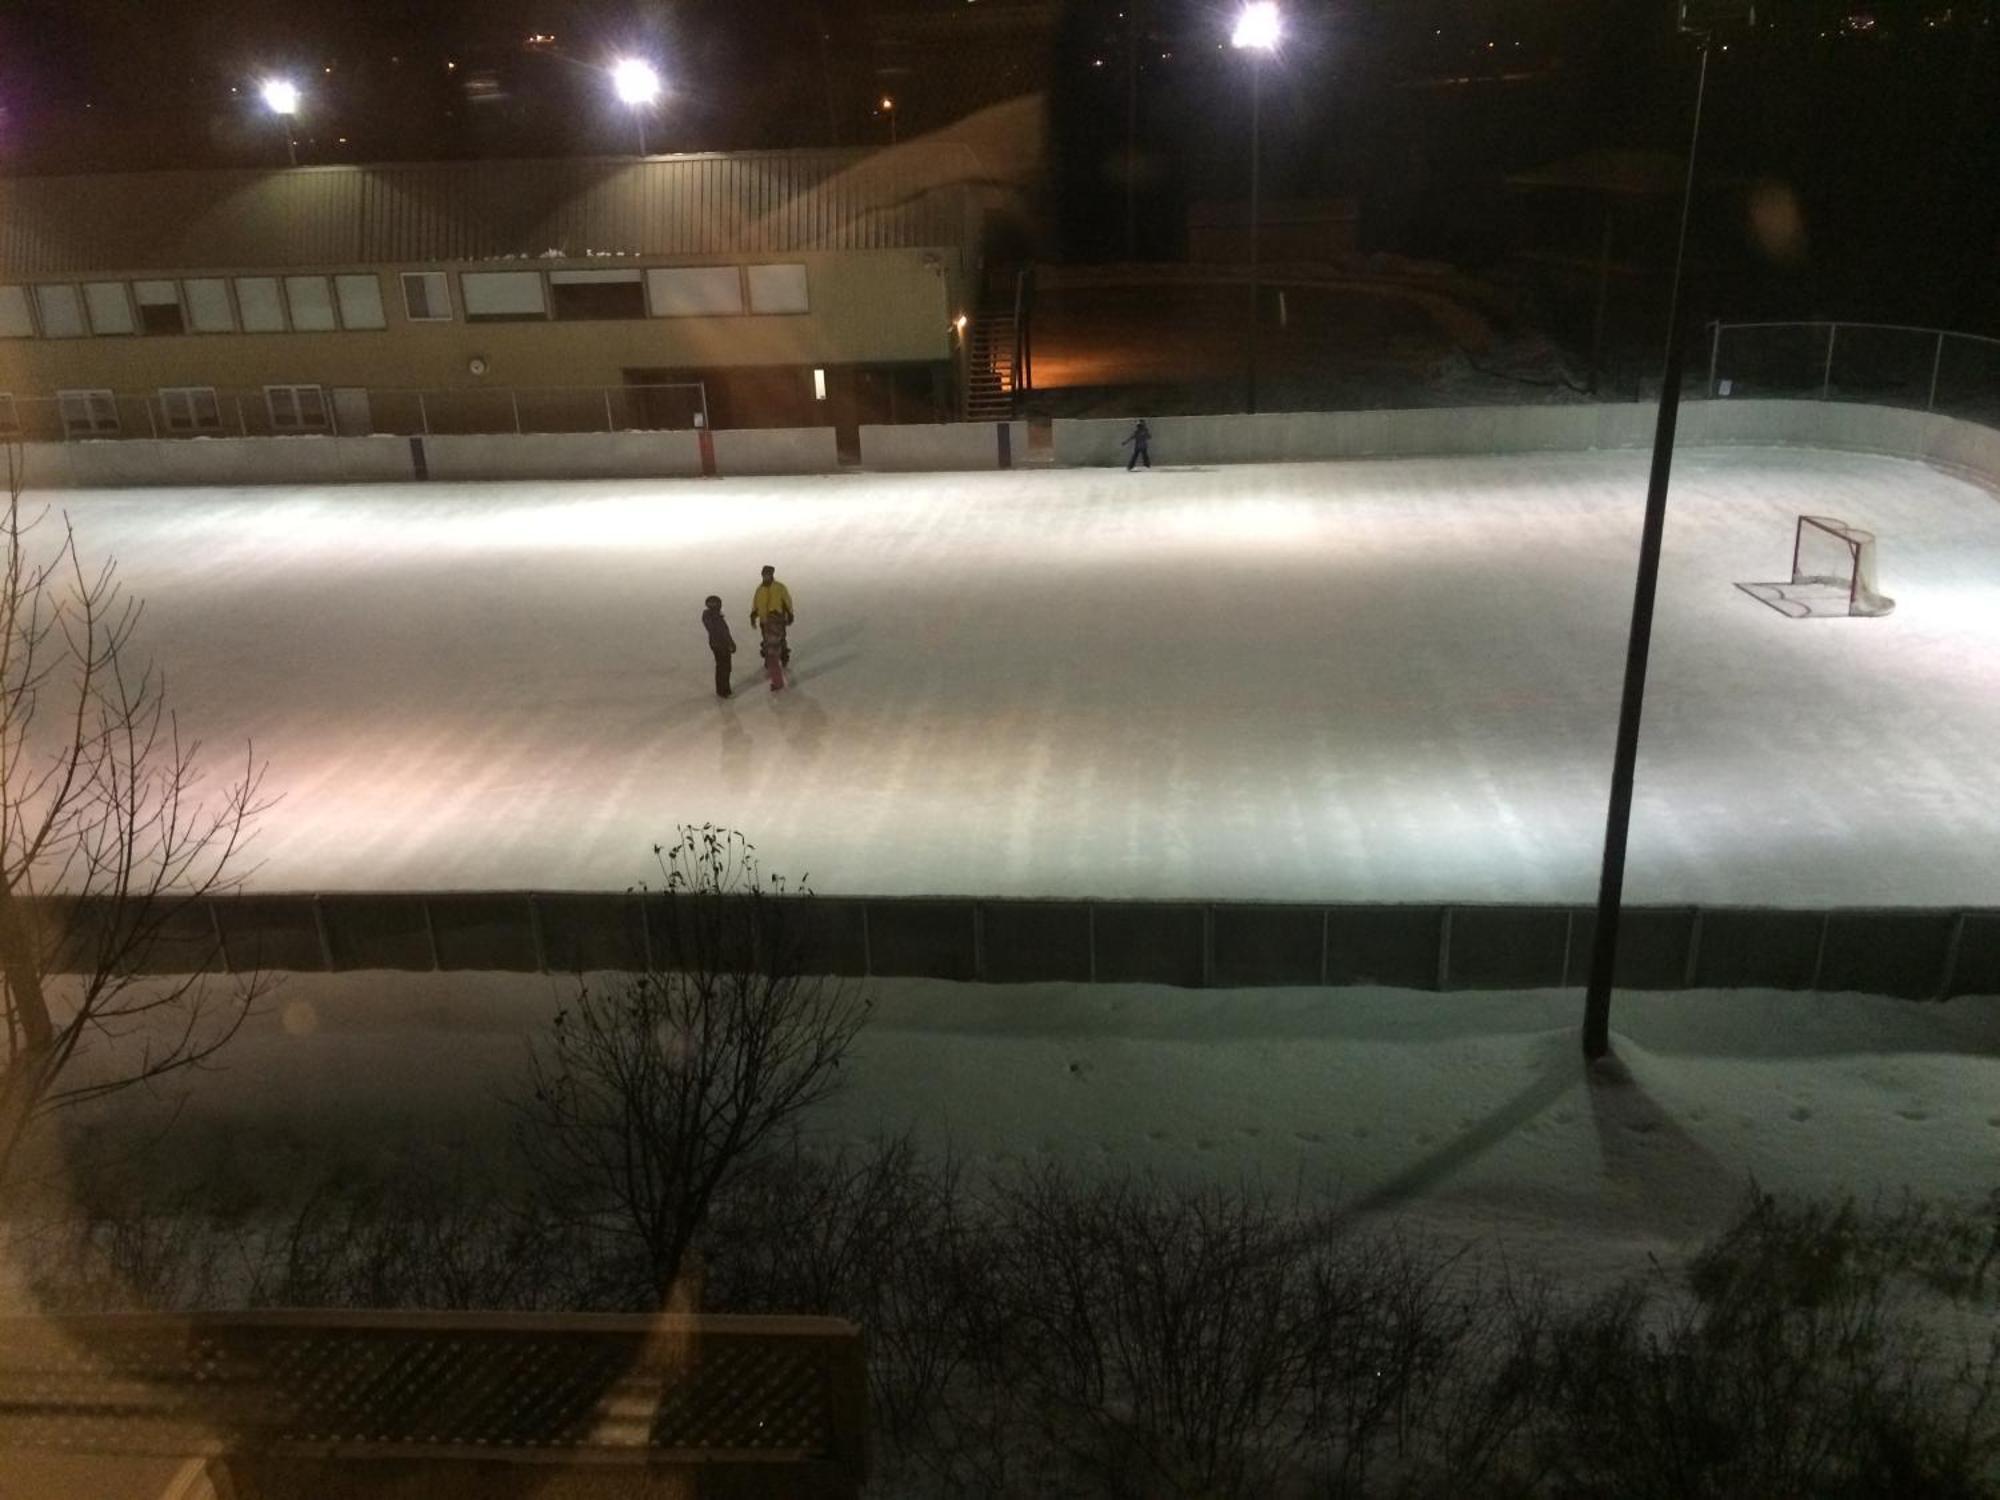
[648,1097]
[107,846]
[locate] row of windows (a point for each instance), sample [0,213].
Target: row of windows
[320,304]
[183,409]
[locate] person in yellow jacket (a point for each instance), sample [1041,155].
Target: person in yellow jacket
[773,600]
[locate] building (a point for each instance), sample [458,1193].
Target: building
[809,288]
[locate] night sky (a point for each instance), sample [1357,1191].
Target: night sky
[1882,119]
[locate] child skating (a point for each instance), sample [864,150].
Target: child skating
[773,648]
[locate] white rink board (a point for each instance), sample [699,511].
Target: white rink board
[1357,681]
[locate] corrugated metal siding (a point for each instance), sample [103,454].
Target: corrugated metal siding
[701,205]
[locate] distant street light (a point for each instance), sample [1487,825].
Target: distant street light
[637,84]
[889,109]
[281,97]
[1258,29]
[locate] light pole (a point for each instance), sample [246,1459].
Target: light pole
[637,84]
[281,98]
[889,109]
[1257,31]
[1618,814]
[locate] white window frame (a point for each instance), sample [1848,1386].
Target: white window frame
[295,422]
[695,292]
[189,304]
[82,329]
[470,281]
[357,295]
[17,313]
[115,298]
[308,299]
[99,414]
[779,289]
[431,281]
[188,417]
[243,308]
[177,300]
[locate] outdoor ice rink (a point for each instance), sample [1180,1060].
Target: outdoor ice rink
[1356,681]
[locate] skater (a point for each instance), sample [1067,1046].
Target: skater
[720,642]
[1142,435]
[773,649]
[773,598]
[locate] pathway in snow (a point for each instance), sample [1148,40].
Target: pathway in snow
[1347,681]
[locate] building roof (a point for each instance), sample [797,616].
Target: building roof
[922,194]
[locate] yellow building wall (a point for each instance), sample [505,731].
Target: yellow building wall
[867,307]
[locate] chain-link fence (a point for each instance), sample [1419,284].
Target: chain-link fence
[1928,369]
[352,411]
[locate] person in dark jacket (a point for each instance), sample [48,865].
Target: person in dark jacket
[1139,442]
[720,642]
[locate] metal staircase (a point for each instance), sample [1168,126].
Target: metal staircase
[989,368]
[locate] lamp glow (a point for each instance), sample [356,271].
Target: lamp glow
[281,96]
[635,81]
[1258,27]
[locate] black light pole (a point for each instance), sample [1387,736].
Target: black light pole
[1618,816]
[1257,32]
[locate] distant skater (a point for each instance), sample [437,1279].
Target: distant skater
[773,649]
[1140,443]
[773,598]
[720,642]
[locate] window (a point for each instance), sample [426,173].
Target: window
[10,424]
[597,294]
[778,289]
[159,306]
[494,296]
[207,303]
[88,413]
[311,304]
[360,298]
[695,291]
[61,310]
[191,409]
[296,408]
[426,296]
[110,311]
[16,321]
[257,299]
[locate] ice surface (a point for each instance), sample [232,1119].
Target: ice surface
[1363,681]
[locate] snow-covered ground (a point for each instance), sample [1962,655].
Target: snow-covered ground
[1345,681]
[1468,1115]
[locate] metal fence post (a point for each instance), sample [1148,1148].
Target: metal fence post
[423,414]
[1826,375]
[610,423]
[242,423]
[1937,361]
[1714,354]
[514,396]
[152,422]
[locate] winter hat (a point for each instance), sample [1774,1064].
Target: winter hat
[769,571]
[713,601]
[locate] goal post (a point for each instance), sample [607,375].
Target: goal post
[1831,554]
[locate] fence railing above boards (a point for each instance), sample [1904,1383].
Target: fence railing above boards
[354,411]
[1914,953]
[1883,364]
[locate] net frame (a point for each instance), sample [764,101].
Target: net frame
[1826,551]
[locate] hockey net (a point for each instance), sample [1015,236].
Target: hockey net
[1833,573]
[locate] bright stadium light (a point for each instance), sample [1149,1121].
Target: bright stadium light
[1258,27]
[281,98]
[637,84]
[636,81]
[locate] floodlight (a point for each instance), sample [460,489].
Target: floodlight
[1258,27]
[635,80]
[281,96]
